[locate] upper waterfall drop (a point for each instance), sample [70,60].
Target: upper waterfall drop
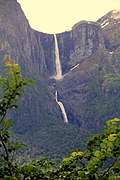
[58,75]
[62,108]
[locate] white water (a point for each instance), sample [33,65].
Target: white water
[111,52]
[58,75]
[74,67]
[62,108]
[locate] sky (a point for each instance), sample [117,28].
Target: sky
[56,16]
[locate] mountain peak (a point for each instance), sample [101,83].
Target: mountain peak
[110,18]
[115,14]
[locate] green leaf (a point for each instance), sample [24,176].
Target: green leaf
[79,153]
[97,153]
[112,137]
[103,145]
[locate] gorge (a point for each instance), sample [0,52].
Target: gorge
[89,91]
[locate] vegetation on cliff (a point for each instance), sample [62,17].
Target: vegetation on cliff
[100,160]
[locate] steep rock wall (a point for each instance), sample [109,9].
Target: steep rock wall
[78,44]
[18,39]
[74,46]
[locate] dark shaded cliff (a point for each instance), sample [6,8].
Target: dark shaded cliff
[89,89]
[18,41]
[74,46]
[89,55]
[38,121]
[78,44]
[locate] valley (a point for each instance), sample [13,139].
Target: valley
[77,80]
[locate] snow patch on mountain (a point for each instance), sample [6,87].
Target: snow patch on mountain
[115,14]
[74,67]
[105,23]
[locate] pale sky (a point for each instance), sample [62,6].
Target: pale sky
[55,16]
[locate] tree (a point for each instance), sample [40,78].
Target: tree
[100,160]
[12,89]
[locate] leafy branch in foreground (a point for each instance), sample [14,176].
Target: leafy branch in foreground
[100,161]
[12,89]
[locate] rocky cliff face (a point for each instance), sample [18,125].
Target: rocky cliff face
[89,56]
[74,46]
[18,41]
[110,24]
[38,121]
[89,89]
[78,44]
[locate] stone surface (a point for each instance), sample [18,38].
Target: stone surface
[18,41]
[90,59]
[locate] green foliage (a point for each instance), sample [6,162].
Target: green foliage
[12,89]
[100,160]
[37,169]
[48,140]
[103,97]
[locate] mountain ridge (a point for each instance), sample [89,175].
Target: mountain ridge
[89,92]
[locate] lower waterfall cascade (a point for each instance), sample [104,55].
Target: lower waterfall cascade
[62,108]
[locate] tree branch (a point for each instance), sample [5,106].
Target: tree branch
[107,169]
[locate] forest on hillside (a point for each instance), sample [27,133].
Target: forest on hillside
[99,161]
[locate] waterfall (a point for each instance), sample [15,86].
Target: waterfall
[57,61]
[62,108]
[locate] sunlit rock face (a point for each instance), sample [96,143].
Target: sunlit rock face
[115,14]
[110,24]
[89,53]
[78,44]
[89,90]
[92,51]
[74,46]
